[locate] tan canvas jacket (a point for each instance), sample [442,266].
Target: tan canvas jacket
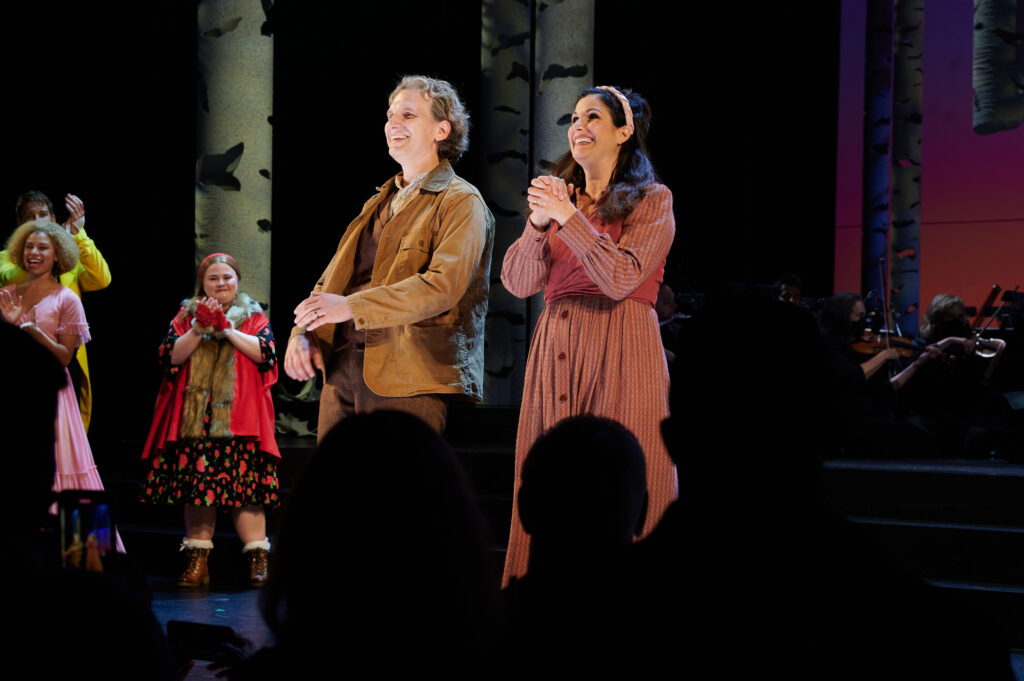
[424,310]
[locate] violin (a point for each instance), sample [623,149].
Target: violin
[872,343]
[987,348]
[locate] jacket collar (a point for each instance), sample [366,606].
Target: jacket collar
[436,180]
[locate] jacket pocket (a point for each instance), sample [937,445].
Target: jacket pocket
[445,318]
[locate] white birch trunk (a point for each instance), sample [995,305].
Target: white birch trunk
[997,79]
[908,85]
[503,127]
[877,132]
[233,191]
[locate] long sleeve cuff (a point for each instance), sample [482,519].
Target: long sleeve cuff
[577,234]
[534,242]
[81,236]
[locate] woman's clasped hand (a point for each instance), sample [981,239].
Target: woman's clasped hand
[549,199]
[210,314]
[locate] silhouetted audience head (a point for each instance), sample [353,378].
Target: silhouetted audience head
[382,557]
[583,499]
[584,487]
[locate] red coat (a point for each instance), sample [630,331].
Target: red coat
[252,411]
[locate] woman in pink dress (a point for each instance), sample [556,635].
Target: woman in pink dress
[53,315]
[598,233]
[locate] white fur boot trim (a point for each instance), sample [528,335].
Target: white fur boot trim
[187,543]
[253,545]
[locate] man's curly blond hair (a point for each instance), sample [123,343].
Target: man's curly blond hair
[445,105]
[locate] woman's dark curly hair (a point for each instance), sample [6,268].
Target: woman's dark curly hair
[835,314]
[633,172]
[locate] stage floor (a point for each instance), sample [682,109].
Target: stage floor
[238,609]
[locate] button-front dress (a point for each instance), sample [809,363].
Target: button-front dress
[597,346]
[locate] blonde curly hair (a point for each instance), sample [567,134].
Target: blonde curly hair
[64,246]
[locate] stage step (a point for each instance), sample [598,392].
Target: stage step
[958,524]
[975,492]
[953,551]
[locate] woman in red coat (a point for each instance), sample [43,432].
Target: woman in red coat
[212,439]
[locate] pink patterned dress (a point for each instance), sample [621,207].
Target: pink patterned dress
[597,346]
[61,314]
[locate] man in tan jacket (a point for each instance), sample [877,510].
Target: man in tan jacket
[396,321]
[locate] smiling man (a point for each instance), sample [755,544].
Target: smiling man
[396,321]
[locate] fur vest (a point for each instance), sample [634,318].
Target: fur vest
[211,374]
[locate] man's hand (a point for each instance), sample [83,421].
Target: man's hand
[300,358]
[322,308]
[76,212]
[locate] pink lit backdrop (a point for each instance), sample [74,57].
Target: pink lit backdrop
[972,205]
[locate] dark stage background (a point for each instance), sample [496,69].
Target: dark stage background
[101,104]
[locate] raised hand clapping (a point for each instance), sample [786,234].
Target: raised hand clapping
[10,306]
[76,212]
[210,314]
[548,197]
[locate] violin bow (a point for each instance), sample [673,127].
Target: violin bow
[989,299]
[978,330]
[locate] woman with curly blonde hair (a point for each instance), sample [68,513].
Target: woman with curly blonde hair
[53,315]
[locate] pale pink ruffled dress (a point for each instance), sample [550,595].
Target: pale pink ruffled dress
[61,314]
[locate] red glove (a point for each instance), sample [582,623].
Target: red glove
[218,321]
[212,318]
[204,317]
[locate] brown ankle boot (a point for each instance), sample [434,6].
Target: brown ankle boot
[196,570]
[258,573]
